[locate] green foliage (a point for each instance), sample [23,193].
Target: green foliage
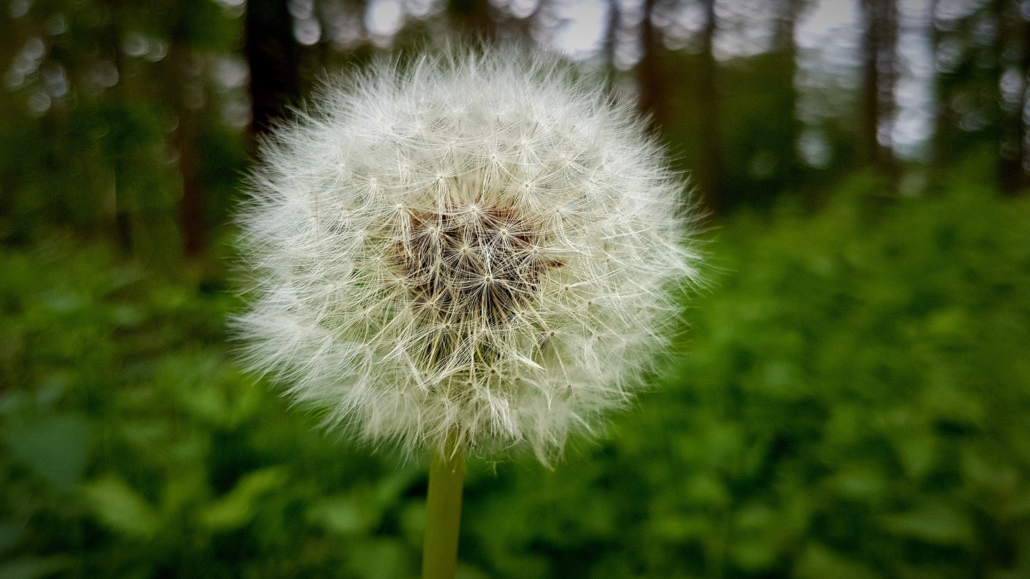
[850,402]
[132,446]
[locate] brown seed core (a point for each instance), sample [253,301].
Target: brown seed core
[474,267]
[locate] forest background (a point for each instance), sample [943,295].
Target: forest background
[850,401]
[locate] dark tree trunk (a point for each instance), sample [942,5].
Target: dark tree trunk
[183,71]
[611,34]
[879,75]
[710,169]
[473,19]
[1024,127]
[123,203]
[1013,53]
[786,47]
[650,79]
[944,118]
[273,56]
[192,224]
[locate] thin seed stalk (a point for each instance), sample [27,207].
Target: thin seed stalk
[443,512]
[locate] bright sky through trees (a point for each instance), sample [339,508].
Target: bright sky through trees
[828,35]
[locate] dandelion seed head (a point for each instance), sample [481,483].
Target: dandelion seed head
[474,245]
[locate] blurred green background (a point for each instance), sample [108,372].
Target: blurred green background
[850,401]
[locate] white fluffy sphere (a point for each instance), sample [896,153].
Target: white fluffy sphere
[480,246]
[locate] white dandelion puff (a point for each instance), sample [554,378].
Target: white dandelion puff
[479,246]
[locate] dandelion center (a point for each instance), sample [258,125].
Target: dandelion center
[472,268]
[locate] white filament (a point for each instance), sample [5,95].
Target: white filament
[477,244]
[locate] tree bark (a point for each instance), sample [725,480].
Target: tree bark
[944,117]
[786,46]
[879,75]
[649,74]
[274,56]
[473,19]
[182,72]
[613,20]
[192,224]
[1013,40]
[1024,126]
[111,38]
[709,171]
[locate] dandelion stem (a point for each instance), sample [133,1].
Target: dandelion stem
[443,512]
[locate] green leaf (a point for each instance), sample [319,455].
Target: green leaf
[754,555]
[339,514]
[33,567]
[10,535]
[818,562]
[916,452]
[55,448]
[184,488]
[1019,506]
[209,389]
[754,517]
[706,489]
[120,508]
[676,528]
[860,482]
[381,559]
[934,523]
[413,521]
[236,508]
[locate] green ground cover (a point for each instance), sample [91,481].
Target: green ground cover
[851,401]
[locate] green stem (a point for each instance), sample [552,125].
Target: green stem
[443,513]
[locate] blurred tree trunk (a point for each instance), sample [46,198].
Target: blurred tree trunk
[944,115]
[273,55]
[187,98]
[111,40]
[473,19]
[192,205]
[1011,50]
[650,77]
[879,76]
[786,47]
[710,168]
[613,20]
[1023,17]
